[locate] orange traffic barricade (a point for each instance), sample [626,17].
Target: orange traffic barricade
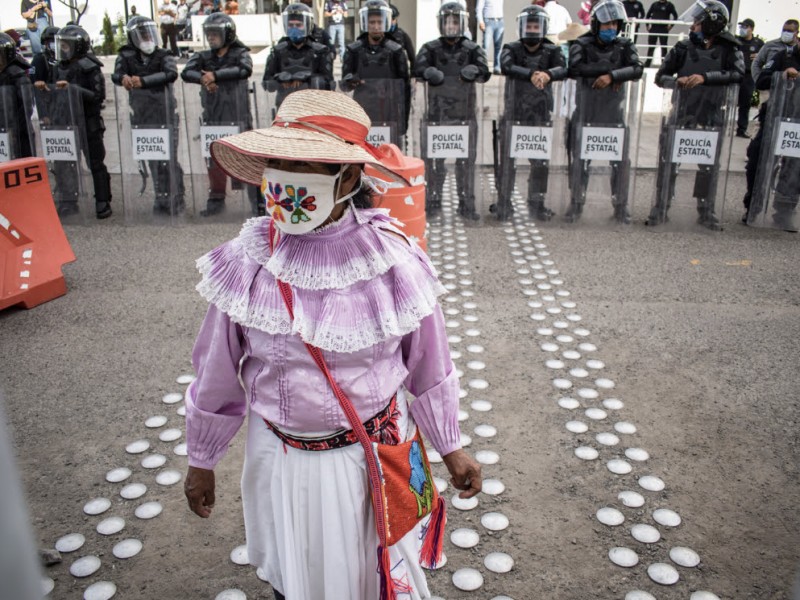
[33,246]
[405,203]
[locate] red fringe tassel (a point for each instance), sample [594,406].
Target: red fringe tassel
[388,591]
[431,553]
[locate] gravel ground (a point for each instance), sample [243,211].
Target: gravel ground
[699,331]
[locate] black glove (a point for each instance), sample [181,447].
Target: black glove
[470,73]
[284,77]
[350,82]
[433,76]
[302,76]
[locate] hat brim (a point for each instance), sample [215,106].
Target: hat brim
[244,156]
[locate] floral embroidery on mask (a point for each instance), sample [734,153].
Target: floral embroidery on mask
[297,200]
[273,199]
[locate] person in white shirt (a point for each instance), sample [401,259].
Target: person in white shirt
[168,14]
[559,20]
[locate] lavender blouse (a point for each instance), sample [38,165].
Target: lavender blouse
[362,294]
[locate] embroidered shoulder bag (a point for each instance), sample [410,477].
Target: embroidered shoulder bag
[402,487]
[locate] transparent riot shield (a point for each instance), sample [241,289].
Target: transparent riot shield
[16,132]
[386,102]
[61,141]
[602,143]
[208,117]
[449,144]
[269,95]
[531,154]
[777,185]
[148,132]
[693,157]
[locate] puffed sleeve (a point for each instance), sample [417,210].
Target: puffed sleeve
[215,402]
[432,380]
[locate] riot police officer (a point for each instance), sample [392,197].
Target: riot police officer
[297,61]
[530,65]
[397,34]
[16,90]
[702,67]
[320,34]
[148,72]
[222,72]
[451,65]
[44,61]
[601,61]
[78,67]
[783,173]
[376,69]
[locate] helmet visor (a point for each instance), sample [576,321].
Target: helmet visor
[532,27]
[298,20]
[453,24]
[143,33]
[375,20]
[215,35]
[610,10]
[65,47]
[698,11]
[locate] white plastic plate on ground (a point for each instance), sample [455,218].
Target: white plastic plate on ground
[494,521]
[70,542]
[631,499]
[137,447]
[127,548]
[577,427]
[586,453]
[610,516]
[111,525]
[623,557]
[637,454]
[153,461]
[663,573]
[97,506]
[133,491]
[639,595]
[117,475]
[168,477]
[613,404]
[185,379]
[487,457]
[481,405]
[464,503]
[148,510]
[170,435]
[647,534]
[467,579]
[571,354]
[155,421]
[651,483]
[683,556]
[619,467]
[85,566]
[172,398]
[239,555]
[666,517]
[231,594]
[568,403]
[102,590]
[498,562]
[493,487]
[464,537]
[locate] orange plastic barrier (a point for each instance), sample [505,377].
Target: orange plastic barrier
[407,204]
[33,246]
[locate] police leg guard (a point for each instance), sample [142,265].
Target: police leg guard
[433,193]
[537,191]
[466,190]
[784,215]
[706,216]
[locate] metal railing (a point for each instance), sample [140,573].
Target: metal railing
[640,35]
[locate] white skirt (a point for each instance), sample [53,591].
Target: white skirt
[309,521]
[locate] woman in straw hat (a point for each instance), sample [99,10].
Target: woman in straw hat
[323,282]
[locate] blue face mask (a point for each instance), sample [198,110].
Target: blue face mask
[607,35]
[696,37]
[296,34]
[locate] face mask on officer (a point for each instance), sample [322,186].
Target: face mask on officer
[296,33]
[788,37]
[608,32]
[533,33]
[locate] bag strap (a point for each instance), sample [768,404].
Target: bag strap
[347,406]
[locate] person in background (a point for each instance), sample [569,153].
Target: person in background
[660,10]
[750,46]
[14,75]
[559,20]
[38,15]
[635,10]
[44,62]
[78,66]
[401,37]
[231,7]
[785,43]
[585,11]
[490,22]
[168,15]
[319,34]
[335,12]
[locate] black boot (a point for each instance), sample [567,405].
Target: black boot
[621,214]
[706,216]
[537,209]
[574,212]
[214,206]
[103,209]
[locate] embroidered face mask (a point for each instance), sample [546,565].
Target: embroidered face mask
[301,202]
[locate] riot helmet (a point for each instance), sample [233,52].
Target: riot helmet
[298,21]
[532,24]
[48,40]
[453,17]
[221,29]
[142,34]
[712,15]
[8,50]
[72,42]
[607,11]
[377,12]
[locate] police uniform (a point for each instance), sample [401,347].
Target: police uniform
[720,64]
[86,74]
[310,64]
[399,36]
[15,78]
[453,101]
[527,103]
[155,104]
[230,102]
[589,58]
[364,60]
[748,85]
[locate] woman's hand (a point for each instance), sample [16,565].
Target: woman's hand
[465,473]
[199,490]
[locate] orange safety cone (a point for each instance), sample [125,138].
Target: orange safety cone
[33,246]
[405,203]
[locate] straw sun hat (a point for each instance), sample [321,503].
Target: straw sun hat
[572,32]
[313,126]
